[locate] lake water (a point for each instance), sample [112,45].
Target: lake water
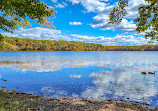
[82,74]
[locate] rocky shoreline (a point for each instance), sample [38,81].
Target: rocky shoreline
[18,101]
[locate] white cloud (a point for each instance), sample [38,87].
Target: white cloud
[38,33]
[65,4]
[83,37]
[117,40]
[74,1]
[75,23]
[101,21]
[54,1]
[133,6]
[51,34]
[103,9]
[90,5]
[9,34]
[51,7]
[104,0]
[58,5]
[61,5]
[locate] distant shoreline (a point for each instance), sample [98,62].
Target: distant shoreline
[25,44]
[76,51]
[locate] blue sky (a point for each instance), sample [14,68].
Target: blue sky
[86,21]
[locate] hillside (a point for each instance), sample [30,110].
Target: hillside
[21,44]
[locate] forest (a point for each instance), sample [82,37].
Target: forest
[26,44]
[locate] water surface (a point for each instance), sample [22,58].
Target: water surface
[82,74]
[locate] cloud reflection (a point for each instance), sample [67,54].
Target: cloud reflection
[75,76]
[52,61]
[122,84]
[49,91]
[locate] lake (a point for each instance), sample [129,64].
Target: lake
[95,75]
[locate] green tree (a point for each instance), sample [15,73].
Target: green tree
[14,13]
[147,21]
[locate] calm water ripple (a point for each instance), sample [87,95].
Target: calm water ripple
[82,74]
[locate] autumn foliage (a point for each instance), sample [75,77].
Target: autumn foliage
[19,44]
[15,13]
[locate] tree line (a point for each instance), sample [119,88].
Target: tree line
[26,44]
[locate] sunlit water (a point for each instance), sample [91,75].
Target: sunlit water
[82,74]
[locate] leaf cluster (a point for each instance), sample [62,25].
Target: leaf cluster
[117,13]
[147,20]
[14,13]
